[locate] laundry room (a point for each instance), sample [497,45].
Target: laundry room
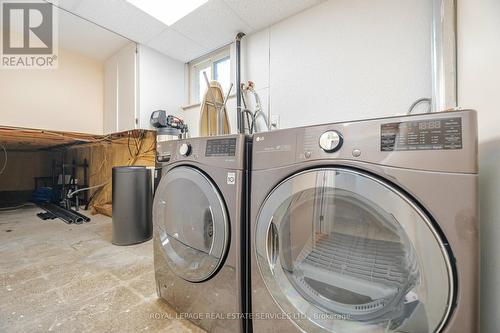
[249,166]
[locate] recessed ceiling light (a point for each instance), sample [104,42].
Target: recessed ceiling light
[167,11]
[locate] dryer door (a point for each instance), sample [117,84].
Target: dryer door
[341,251]
[190,217]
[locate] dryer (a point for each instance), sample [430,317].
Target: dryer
[197,212]
[367,226]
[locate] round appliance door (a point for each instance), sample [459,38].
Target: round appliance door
[341,251]
[191,220]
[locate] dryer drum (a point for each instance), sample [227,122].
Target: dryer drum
[351,271]
[347,251]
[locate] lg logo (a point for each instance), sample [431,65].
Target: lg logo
[28,34]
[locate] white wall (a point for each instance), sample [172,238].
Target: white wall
[479,88]
[69,98]
[350,59]
[120,75]
[161,84]
[340,60]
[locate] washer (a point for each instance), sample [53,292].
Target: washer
[197,211]
[367,226]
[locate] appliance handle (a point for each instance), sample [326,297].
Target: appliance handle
[208,226]
[272,243]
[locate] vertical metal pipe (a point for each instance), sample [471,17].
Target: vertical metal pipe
[85,180]
[63,180]
[444,55]
[239,115]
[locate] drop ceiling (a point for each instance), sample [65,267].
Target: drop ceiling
[84,37]
[209,27]
[87,38]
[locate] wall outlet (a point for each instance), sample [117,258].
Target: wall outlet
[275,121]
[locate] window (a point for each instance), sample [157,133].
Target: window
[217,66]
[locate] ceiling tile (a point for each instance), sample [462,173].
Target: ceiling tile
[212,25]
[263,13]
[208,27]
[87,38]
[66,4]
[177,46]
[121,17]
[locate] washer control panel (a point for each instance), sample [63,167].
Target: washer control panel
[330,141]
[221,147]
[435,134]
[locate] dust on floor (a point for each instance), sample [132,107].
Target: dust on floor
[70,278]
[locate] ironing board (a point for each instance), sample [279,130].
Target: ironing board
[208,112]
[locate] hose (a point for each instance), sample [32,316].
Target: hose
[247,114]
[71,193]
[250,116]
[419,101]
[258,111]
[263,115]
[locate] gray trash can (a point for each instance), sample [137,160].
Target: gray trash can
[132,204]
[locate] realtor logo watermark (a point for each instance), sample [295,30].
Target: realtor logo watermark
[29,35]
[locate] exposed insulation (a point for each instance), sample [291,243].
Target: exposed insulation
[129,148]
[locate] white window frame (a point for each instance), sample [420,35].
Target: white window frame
[203,62]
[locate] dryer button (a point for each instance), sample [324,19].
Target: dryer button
[330,141]
[185,149]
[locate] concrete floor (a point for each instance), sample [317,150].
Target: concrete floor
[70,278]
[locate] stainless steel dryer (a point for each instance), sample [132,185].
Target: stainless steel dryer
[367,226]
[196,214]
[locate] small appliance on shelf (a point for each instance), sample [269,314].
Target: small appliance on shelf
[168,127]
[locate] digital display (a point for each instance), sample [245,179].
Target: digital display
[436,134]
[429,125]
[221,147]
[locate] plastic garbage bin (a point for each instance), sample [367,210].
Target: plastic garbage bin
[132,204]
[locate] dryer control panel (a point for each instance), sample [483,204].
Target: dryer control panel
[433,134]
[226,151]
[221,147]
[438,141]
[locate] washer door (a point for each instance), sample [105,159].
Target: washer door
[341,251]
[190,217]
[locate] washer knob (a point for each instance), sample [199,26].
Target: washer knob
[331,141]
[185,149]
